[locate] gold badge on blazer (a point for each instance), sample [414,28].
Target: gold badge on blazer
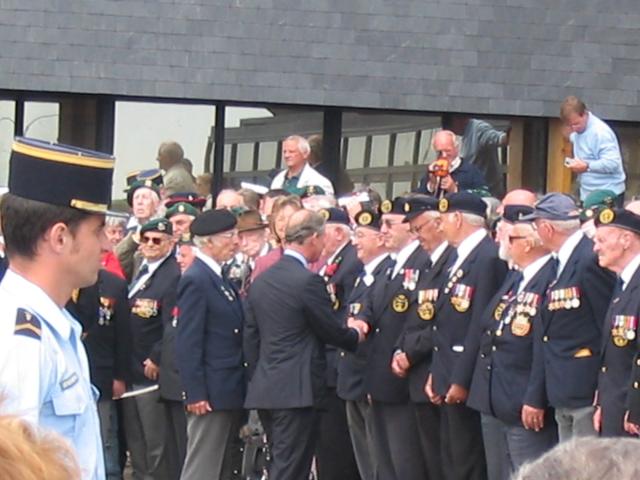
[400,303]
[426,311]
[521,326]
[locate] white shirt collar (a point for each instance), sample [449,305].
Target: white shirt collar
[629,271]
[567,249]
[152,267]
[296,255]
[403,255]
[210,262]
[437,253]
[373,264]
[530,271]
[467,246]
[37,302]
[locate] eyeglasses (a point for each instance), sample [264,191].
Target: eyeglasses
[154,240]
[389,223]
[516,237]
[230,234]
[418,228]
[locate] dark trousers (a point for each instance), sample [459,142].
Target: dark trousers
[428,422]
[361,433]
[334,453]
[528,445]
[396,442]
[291,434]
[462,446]
[176,436]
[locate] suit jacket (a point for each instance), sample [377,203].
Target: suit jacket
[151,309]
[352,367]
[416,340]
[340,281]
[390,302]
[619,355]
[103,311]
[567,357]
[308,177]
[289,319]
[459,326]
[209,339]
[500,384]
[177,179]
[467,176]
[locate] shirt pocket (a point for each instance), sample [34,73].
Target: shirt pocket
[69,405]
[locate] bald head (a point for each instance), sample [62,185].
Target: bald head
[634,207]
[519,196]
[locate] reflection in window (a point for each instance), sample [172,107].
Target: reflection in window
[7,127]
[41,120]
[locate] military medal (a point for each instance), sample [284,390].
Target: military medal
[410,279]
[521,326]
[620,341]
[105,310]
[145,307]
[174,316]
[354,308]
[230,295]
[497,313]
[400,303]
[461,297]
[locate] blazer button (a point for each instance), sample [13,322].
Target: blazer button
[435,328]
[342,354]
[236,331]
[545,339]
[245,364]
[638,362]
[636,385]
[488,367]
[435,349]
[377,330]
[494,348]
[603,369]
[482,355]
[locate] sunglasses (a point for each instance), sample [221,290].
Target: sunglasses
[154,240]
[516,237]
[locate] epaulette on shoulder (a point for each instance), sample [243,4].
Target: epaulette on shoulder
[27,324]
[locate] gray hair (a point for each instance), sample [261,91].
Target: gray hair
[112,221]
[307,226]
[200,240]
[531,233]
[565,226]
[475,220]
[303,144]
[586,458]
[173,149]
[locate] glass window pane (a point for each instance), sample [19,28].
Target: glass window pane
[7,127]
[41,120]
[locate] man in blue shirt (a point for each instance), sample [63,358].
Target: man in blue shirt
[53,225]
[597,159]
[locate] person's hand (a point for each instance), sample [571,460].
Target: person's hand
[400,364]
[433,396]
[456,394]
[532,418]
[360,326]
[118,387]
[630,427]
[151,370]
[597,419]
[578,166]
[199,408]
[449,184]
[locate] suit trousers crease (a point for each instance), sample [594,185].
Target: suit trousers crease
[462,445]
[427,417]
[361,433]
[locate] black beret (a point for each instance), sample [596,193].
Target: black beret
[191,198]
[618,217]
[335,215]
[61,175]
[368,219]
[463,202]
[161,225]
[415,206]
[212,222]
[395,207]
[515,213]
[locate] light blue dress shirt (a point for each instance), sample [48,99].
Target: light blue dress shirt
[44,371]
[598,147]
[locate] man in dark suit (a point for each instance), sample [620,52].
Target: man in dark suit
[209,349]
[412,357]
[103,311]
[334,453]
[289,319]
[617,244]
[567,354]
[472,280]
[371,250]
[500,384]
[396,441]
[152,298]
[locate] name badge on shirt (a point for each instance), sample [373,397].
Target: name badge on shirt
[70,381]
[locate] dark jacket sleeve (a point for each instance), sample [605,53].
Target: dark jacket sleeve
[192,306]
[251,339]
[598,285]
[536,395]
[123,334]
[320,316]
[168,303]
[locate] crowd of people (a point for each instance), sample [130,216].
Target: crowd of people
[451,332]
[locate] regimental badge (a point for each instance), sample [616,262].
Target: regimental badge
[426,311]
[324,213]
[410,279]
[443,205]
[606,216]
[400,303]
[461,296]
[105,311]
[521,325]
[623,329]
[407,207]
[75,294]
[426,303]
[364,219]
[161,227]
[145,307]
[386,206]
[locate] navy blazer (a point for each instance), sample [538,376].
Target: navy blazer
[103,311]
[387,323]
[615,386]
[341,281]
[352,367]
[416,340]
[567,356]
[456,341]
[289,320]
[208,340]
[467,176]
[500,384]
[151,308]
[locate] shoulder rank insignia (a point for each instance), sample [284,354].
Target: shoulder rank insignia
[27,324]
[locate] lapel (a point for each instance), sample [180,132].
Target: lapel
[149,281]
[569,271]
[441,264]
[395,286]
[344,258]
[461,273]
[226,290]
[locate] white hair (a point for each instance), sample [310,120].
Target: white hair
[200,241]
[303,144]
[565,226]
[472,219]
